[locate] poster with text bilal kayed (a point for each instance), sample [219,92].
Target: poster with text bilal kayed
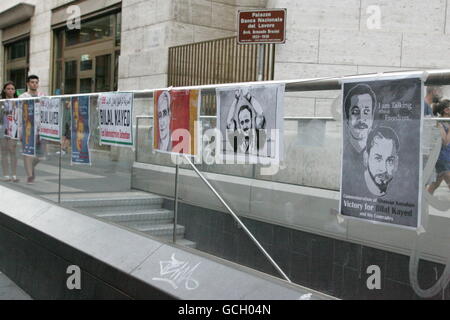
[50,119]
[381,160]
[80,131]
[116,119]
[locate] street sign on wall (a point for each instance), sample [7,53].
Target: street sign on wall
[262,26]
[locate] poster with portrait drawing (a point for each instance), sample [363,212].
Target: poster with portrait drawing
[250,120]
[176,121]
[29,133]
[80,131]
[381,159]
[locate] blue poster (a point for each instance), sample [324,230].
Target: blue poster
[29,128]
[80,131]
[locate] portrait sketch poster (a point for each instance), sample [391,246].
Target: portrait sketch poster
[29,128]
[13,119]
[50,119]
[116,119]
[251,123]
[176,121]
[80,131]
[381,165]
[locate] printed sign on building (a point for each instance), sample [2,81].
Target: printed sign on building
[116,119]
[381,165]
[262,26]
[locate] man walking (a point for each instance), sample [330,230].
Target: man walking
[31,162]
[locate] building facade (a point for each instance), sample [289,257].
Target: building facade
[131,39]
[124,45]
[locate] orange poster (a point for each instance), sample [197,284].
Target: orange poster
[176,116]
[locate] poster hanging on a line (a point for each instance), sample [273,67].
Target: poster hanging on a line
[12,116]
[116,119]
[381,164]
[80,131]
[176,116]
[50,119]
[251,123]
[29,127]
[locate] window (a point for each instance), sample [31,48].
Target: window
[86,59]
[18,50]
[97,29]
[17,62]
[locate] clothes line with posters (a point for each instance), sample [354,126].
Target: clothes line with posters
[290,85]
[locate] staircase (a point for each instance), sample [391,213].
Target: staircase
[138,211]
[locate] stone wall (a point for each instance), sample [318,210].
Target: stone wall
[150,27]
[336,38]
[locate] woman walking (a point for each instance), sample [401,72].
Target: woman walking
[442,109]
[8,138]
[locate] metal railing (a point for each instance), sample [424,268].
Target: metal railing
[235,217]
[437,77]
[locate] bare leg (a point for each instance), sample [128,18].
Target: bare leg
[12,148]
[447,179]
[433,187]
[65,144]
[28,163]
[5,164]
[35,163]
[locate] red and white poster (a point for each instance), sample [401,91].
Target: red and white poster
[176,121]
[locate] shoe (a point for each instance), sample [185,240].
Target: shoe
[62,152]
[30,180]
[7,179]
[15,180]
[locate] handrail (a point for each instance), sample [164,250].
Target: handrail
[239,221]
[300,118]
[435,77]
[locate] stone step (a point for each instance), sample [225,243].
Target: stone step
[156,216]
[117,204]
[106,201]
[161,230]
[185,243]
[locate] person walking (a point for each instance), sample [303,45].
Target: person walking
[8,138]
[31,162]
[442,109]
